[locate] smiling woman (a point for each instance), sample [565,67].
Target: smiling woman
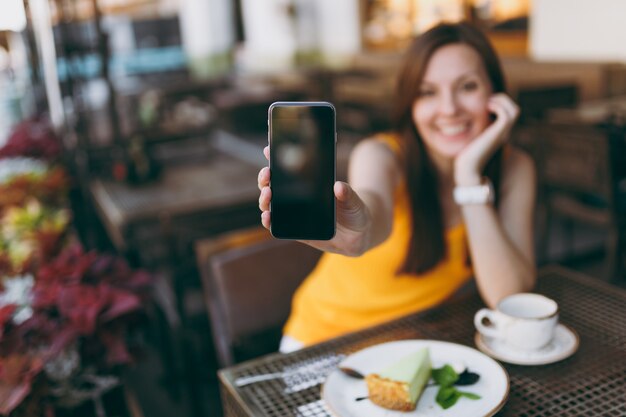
[441,198]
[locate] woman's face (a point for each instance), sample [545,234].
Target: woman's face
[451,108]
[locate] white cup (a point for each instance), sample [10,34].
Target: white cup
[521,321]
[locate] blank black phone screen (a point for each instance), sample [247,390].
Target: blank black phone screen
[302,170]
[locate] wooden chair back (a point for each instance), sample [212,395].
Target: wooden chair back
[249,280]
[581,180]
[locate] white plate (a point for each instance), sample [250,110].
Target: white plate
[339,392]
[564,344]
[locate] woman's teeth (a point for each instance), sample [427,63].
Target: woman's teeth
[452,130]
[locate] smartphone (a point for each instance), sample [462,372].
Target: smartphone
[302,141]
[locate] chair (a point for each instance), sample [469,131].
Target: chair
[248,281]
[535,101]
[581,180]
[536,105]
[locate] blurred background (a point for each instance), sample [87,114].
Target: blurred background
[159,108]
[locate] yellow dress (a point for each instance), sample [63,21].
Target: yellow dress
[344,294]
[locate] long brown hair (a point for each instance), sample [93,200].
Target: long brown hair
[427,244]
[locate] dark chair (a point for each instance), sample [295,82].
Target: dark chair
[535,101]
[581,180]
[249,279]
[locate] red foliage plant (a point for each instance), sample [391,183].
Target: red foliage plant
[79,296]
[33,138]
[50,189]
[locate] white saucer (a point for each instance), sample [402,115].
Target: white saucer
[564,344]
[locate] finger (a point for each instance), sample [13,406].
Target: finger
[502,97]
[508,105]
[266,152]
[265,198]
[507,100]
[346,197]
[265,219]
[340,189]
[263,179]
[494,105]
[351,211]
[505,103]
[512,108]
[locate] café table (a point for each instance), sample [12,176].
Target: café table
[215,195]
[591,382]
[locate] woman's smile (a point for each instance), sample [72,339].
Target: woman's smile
[451,108]
[454,131]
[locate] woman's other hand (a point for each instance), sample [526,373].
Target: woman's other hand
[353,217]
[469,164]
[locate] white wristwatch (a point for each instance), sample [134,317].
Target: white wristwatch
[474,194]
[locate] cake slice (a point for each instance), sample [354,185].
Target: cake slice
[400,385]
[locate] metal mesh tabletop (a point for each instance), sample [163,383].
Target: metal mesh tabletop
[592,382]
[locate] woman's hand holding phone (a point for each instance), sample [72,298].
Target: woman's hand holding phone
[469,164]
[353,217]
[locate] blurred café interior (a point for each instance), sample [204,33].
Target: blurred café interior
[159,109]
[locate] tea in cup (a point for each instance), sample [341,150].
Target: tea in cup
[522,321]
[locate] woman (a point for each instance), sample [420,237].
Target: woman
[441,199]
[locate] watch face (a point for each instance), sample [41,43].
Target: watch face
[477,194]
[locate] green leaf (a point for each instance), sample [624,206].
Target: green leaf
[470,395]
[445,393]
[445,376]
[447,397]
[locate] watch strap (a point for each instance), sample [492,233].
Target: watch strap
[474,194]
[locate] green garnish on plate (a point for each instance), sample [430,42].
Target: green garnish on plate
[446,377]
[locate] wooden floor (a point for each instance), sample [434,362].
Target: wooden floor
[196,394]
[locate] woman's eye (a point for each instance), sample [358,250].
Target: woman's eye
[469,86]
[426,93]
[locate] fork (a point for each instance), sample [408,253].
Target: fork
[246,380]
